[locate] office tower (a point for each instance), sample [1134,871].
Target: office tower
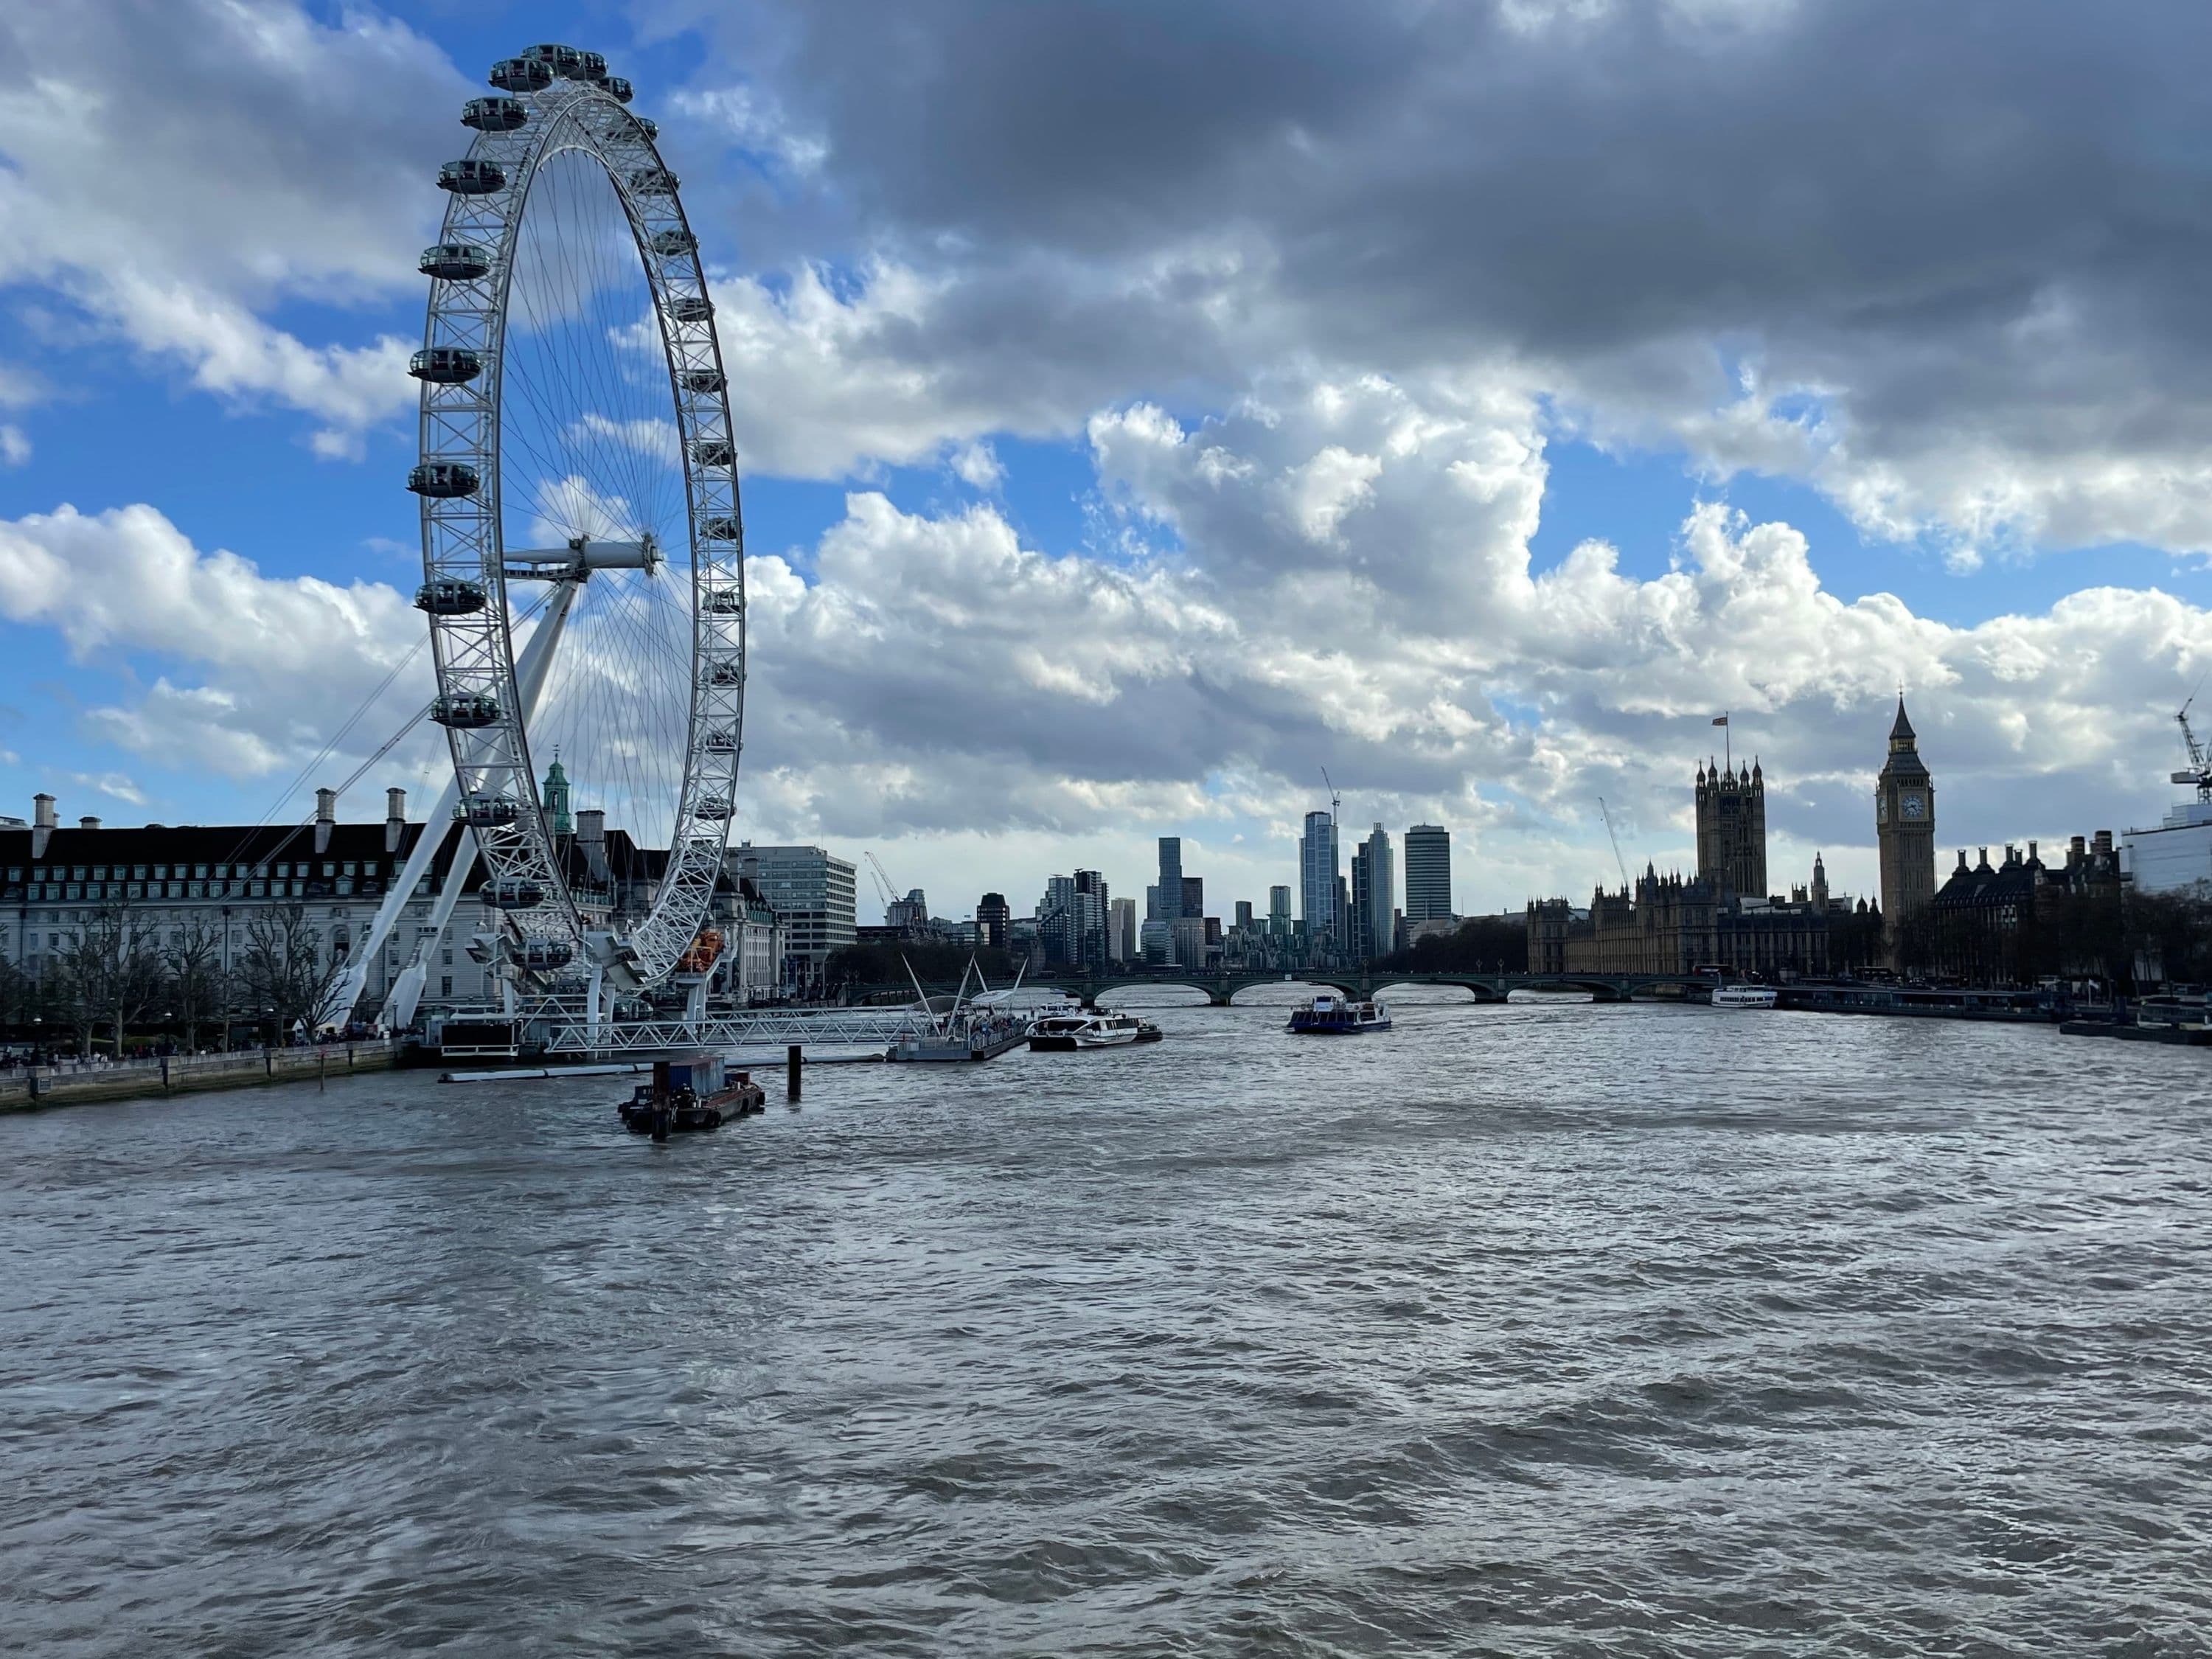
[1091,902]
[1170,877]
[1244,915]
[814,893]
[1278,911]
[1382,896]
[1152,905]
[1122,930]
[1318,880]
[1428,872]
[1359,930]
[993,913]
[1193,896]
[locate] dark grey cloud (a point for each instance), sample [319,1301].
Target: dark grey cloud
[1977,228]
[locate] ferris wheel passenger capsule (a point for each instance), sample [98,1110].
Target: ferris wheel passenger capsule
[521,75]
[650,127]
[721,741]
[449,595]
[705,382]
[715,809]
[486,811]
[671,243]
[443,480]
[471,176]
[541,955]
[653,181]
[691,308]
[722,530]
[618,89]
[494,114]
[464,711]
[723,602]
[714,452]
[594,66]
[564,61]
[512,893]
[727,673]
[446,365]
[455,262]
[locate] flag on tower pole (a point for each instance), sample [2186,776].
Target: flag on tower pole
[1728,745]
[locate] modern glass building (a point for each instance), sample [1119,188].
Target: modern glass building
[1428,872]
[1319,881]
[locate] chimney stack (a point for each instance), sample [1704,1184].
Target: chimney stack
[88,823]
[591,837]
[395,818]
[42,823]
[326,819]
[2103,844]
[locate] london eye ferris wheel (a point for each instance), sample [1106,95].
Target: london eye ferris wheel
[582,552]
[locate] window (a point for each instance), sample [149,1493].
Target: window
[299,887]
[331,869]
[258,890]
[74,892]
[284,870]
[445,986]
[100,872]
[138,888]
[15,873]
[137,872]
[261,871]
[446,957]
[352,868]
[198,889]
[78,873]
[200,872]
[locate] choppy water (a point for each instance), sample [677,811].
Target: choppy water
[1527,1330]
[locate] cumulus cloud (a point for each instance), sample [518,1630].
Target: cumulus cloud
[279,664]
[178,170]
[1972,321]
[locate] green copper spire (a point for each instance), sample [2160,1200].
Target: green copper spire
[554,793]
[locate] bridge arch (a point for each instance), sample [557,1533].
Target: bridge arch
[1479,986]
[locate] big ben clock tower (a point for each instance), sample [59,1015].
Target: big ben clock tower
[1905,831]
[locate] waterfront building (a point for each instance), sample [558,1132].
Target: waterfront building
[1152,905]
[1360,928]
[1428,872]
[1193,897]
[1905,831]
[1318,880]
[1169,904]
[1121,930]
[1244,915]
[1672,924]
[1278,911]
[993,915]
[1993,924]
[1731,807]
[1379,937]
[1193,949]
[206,889]
[2176,856]
[1156,942]
[909,915]
[1092,910]
[812,892]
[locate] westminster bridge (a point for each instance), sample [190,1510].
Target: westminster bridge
[1221,989]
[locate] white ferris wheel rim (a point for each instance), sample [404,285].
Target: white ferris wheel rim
[555,106]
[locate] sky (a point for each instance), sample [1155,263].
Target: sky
[1144,407]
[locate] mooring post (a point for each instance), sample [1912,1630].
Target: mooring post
[791,1073]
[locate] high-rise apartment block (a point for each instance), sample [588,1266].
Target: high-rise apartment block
[1170,900]
[1319,881]
[1428,872]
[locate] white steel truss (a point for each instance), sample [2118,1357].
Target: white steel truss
[484,708]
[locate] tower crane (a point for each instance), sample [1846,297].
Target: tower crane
[2199,774]
[1335,801]
[883,881]
[1606,814]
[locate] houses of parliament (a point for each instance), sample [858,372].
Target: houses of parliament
[1725,917]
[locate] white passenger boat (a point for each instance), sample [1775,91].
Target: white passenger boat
[1090,1028]
[1331,1015]
[1744,996]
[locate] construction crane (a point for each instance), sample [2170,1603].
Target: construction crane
[2199,774]
[883,881]
[1606,814]
[1335,801]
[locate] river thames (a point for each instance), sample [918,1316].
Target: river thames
[1527,1330]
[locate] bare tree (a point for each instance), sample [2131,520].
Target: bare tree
[284,971]
[197,980]
[109,971]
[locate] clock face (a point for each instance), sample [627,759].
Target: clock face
[1914,807]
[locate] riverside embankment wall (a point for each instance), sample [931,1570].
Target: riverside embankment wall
[44,1086]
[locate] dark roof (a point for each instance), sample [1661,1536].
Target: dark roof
[1903,728]
[193,843]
